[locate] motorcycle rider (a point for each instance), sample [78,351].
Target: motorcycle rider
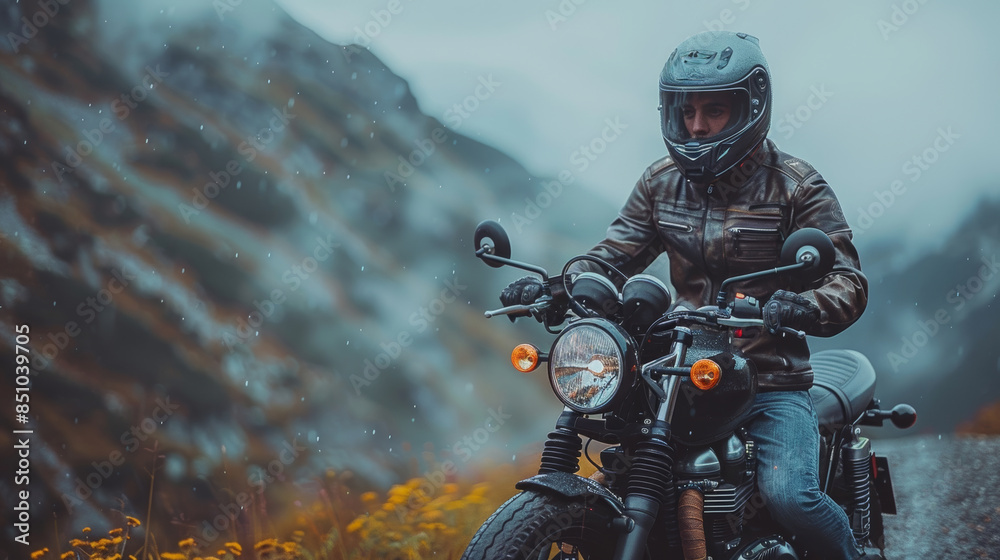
[720,204]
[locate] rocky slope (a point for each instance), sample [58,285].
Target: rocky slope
[198,227]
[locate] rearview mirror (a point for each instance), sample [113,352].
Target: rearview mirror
[492,239]
[808,245]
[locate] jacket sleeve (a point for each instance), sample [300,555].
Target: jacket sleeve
[842,294]
[632,242]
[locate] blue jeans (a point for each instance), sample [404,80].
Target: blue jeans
[786,430]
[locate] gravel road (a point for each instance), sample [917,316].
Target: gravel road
[948,497]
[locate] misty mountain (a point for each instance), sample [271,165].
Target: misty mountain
[929,328]
[248,251]
[232,243]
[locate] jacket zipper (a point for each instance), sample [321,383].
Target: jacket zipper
[679,227]
[769,231]
[704,236]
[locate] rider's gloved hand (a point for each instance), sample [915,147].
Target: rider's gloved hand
[788,309]
[523,291]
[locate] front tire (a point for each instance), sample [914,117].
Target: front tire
[530,526]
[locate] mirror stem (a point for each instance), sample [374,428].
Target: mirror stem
[720,300]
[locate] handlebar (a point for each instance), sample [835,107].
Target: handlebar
[711,315]
[519,310]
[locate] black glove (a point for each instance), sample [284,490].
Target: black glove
[523,291]
[788,309]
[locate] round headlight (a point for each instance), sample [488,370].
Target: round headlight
[588,366]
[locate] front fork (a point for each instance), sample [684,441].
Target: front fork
[650,483]
[651,478]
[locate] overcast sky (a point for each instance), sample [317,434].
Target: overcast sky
[873,85]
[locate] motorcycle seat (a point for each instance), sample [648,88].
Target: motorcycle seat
[843,386]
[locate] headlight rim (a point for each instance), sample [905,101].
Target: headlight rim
[629,375]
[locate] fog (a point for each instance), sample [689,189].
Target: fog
[860,89]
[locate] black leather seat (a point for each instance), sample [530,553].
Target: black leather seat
[843,386]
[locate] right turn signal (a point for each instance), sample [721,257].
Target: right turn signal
[705,374]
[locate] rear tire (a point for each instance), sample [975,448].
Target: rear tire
[529,525]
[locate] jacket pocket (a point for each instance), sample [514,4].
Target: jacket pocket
[755,243]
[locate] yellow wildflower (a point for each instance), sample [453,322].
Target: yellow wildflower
[39,553]
[266,545]
[475,499]
[78,542]
[297,536]
[186,544]
[369,497]
[67,555]
[234,548]
[115,532]
[356,524]
[290,547]
[398,490]
[172,556]
[431,516]
[457,504]
[131,521]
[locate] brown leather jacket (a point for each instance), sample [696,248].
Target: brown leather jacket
[712,232]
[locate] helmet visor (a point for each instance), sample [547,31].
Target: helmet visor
[704,116]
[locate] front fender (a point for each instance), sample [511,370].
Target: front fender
[572,486]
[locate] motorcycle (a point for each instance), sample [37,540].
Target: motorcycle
[668,394]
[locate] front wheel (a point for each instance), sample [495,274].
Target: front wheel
[533,526]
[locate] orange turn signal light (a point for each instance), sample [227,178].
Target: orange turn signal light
[524,357]
[705,374]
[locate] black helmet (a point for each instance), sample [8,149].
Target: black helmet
[722,75]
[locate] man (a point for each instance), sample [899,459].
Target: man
[720,205]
